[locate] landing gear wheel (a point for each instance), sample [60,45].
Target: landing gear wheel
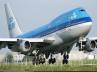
[38,59]
[67,56]
[42,61]
[52,61]
[65,59]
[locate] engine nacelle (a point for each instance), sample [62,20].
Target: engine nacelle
[93,44]
[87,45]
[23,46]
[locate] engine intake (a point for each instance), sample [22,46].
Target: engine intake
[24,45]
[87,45]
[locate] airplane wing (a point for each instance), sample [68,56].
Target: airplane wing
[34,40]
[25,42]
[4,41]
[40,42]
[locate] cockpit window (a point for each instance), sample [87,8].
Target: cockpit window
[82,10]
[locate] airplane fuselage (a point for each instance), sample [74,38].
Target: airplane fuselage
[66,29]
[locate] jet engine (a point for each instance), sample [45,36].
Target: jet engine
[87,45]
[23,45]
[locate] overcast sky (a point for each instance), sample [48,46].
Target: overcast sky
[33,13]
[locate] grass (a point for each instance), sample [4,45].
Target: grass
[72,66]
[83,62]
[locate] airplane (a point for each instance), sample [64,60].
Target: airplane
[58,36]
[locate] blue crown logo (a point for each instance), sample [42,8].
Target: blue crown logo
[11,23]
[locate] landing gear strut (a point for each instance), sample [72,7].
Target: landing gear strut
[38,59]
[51,60]
[41,59]
[65,58]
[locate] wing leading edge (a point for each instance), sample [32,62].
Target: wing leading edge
[36,41]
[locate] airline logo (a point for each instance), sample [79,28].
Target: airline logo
[11,23]
[73,16]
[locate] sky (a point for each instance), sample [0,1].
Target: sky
[33,13]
